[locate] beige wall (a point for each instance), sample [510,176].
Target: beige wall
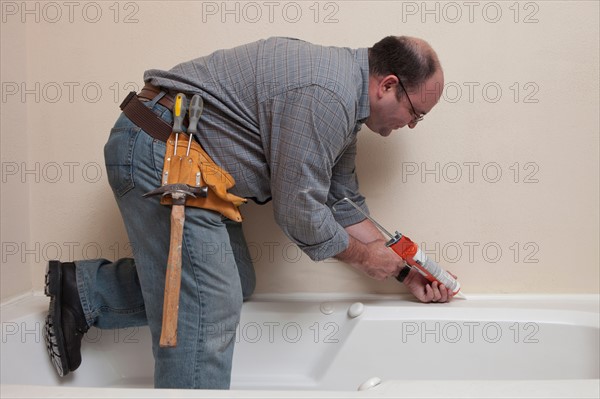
[499,183]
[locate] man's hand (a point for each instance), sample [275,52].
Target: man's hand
[373,258]
[367,252]
[424,290]
[382,262]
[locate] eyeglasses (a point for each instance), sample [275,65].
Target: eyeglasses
[416,117]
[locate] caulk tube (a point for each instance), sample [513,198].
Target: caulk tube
[432,271]
[413,256]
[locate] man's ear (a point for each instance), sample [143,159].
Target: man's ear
[388,83]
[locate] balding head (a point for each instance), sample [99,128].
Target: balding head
[405,82]
[411,59]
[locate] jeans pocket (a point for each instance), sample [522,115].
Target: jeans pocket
[118,156]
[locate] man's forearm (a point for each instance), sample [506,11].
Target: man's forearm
[372,258]
[355,254]
[364,231]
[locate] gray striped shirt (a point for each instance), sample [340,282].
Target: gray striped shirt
[281,116]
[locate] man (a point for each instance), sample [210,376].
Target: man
[281,116]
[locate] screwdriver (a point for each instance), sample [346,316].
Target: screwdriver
[179,109]
[196,108]
[412,254]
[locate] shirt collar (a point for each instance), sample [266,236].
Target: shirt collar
[362,58]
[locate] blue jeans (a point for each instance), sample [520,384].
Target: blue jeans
[217,272]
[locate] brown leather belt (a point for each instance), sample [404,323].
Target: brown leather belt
[149,91]
[143,117]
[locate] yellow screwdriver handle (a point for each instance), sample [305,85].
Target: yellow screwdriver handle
[179,109]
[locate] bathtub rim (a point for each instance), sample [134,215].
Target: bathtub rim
[583,304]
[387,389]
[358,296]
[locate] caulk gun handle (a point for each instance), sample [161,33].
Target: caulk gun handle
[196,107]
[179,109]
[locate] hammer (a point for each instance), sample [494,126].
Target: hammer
[178,193]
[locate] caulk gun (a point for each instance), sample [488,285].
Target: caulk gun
[412,254]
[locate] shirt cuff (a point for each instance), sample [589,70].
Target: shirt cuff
[328,249]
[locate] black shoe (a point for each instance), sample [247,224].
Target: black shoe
[65,323]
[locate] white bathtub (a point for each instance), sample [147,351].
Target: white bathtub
[328,346]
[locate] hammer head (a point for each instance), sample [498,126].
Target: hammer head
[179,192]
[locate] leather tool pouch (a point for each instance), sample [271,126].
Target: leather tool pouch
[198,169]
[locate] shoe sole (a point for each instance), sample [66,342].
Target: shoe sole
[53,334]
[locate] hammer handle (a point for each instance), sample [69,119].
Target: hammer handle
[168,336]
